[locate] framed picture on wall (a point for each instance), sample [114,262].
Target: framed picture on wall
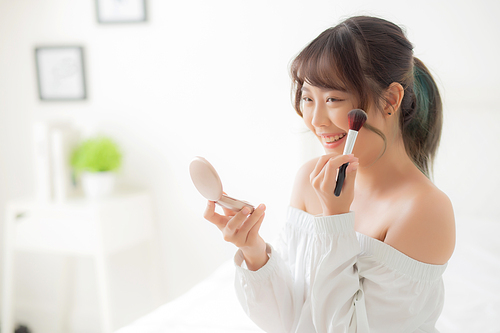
[121,11]
[60,72]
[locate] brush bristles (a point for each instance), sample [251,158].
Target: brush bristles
[357,118]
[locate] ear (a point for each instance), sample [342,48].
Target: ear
[393,97]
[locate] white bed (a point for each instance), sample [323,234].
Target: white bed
[472,303]
[209,307]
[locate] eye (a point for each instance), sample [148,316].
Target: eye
[333,99]
[306,99]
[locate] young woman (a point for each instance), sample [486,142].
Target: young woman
[372,259]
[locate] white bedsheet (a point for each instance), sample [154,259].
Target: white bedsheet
[209,307]
[472,302]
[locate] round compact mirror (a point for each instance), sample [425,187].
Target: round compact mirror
[205,178]
[208,183]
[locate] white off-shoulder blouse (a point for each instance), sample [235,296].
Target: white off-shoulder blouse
[322,276]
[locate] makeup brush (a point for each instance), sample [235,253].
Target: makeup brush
[357,118]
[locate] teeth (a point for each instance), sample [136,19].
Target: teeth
[333,138]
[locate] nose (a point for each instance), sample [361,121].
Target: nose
[320,116]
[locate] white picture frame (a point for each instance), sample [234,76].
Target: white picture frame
[60,73]
[121,11]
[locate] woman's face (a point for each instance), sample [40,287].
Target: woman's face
[325,114]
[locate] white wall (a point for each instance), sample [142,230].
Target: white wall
[210,78]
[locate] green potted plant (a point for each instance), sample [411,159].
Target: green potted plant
[97,160]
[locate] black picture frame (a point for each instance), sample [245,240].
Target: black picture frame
[120,12]
[60,73]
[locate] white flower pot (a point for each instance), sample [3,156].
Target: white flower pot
[98,184]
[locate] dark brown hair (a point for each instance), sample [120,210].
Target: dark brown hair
[363,55]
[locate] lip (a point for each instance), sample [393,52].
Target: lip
[335,144]
[331,134]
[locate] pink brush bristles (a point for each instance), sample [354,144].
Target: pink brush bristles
[357,118]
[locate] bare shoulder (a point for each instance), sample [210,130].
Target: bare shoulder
[302,189]
[425,229]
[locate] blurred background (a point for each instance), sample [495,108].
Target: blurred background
[210,78]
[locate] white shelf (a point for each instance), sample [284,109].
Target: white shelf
[77,227]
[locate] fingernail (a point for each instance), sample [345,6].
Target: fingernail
[262,207]
[245,210]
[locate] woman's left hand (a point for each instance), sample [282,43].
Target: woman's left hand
[324,178]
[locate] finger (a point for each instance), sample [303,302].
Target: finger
[254,218]
[350,177]
[330,178]
[236,221]
[256,227]
[326,180]
[319,166]
[228,212]
[317,182]
[230,232]
[335,161]
[211,216]
[352,167]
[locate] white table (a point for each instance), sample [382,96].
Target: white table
[77,227]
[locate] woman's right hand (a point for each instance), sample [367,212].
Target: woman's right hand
[324,178]
[242,229]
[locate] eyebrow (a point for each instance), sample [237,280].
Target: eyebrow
[324,89]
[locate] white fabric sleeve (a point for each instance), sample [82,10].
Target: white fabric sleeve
[402,295]
[266,294]
[274,296]
[336,280]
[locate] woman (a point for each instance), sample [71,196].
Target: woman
[370,260]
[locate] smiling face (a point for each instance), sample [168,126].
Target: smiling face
[325,112]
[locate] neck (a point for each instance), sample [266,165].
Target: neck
[387,171]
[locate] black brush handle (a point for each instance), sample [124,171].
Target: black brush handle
[340,179]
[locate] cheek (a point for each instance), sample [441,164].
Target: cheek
[376,119]
[341,121]
[368,147]
[307,117]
